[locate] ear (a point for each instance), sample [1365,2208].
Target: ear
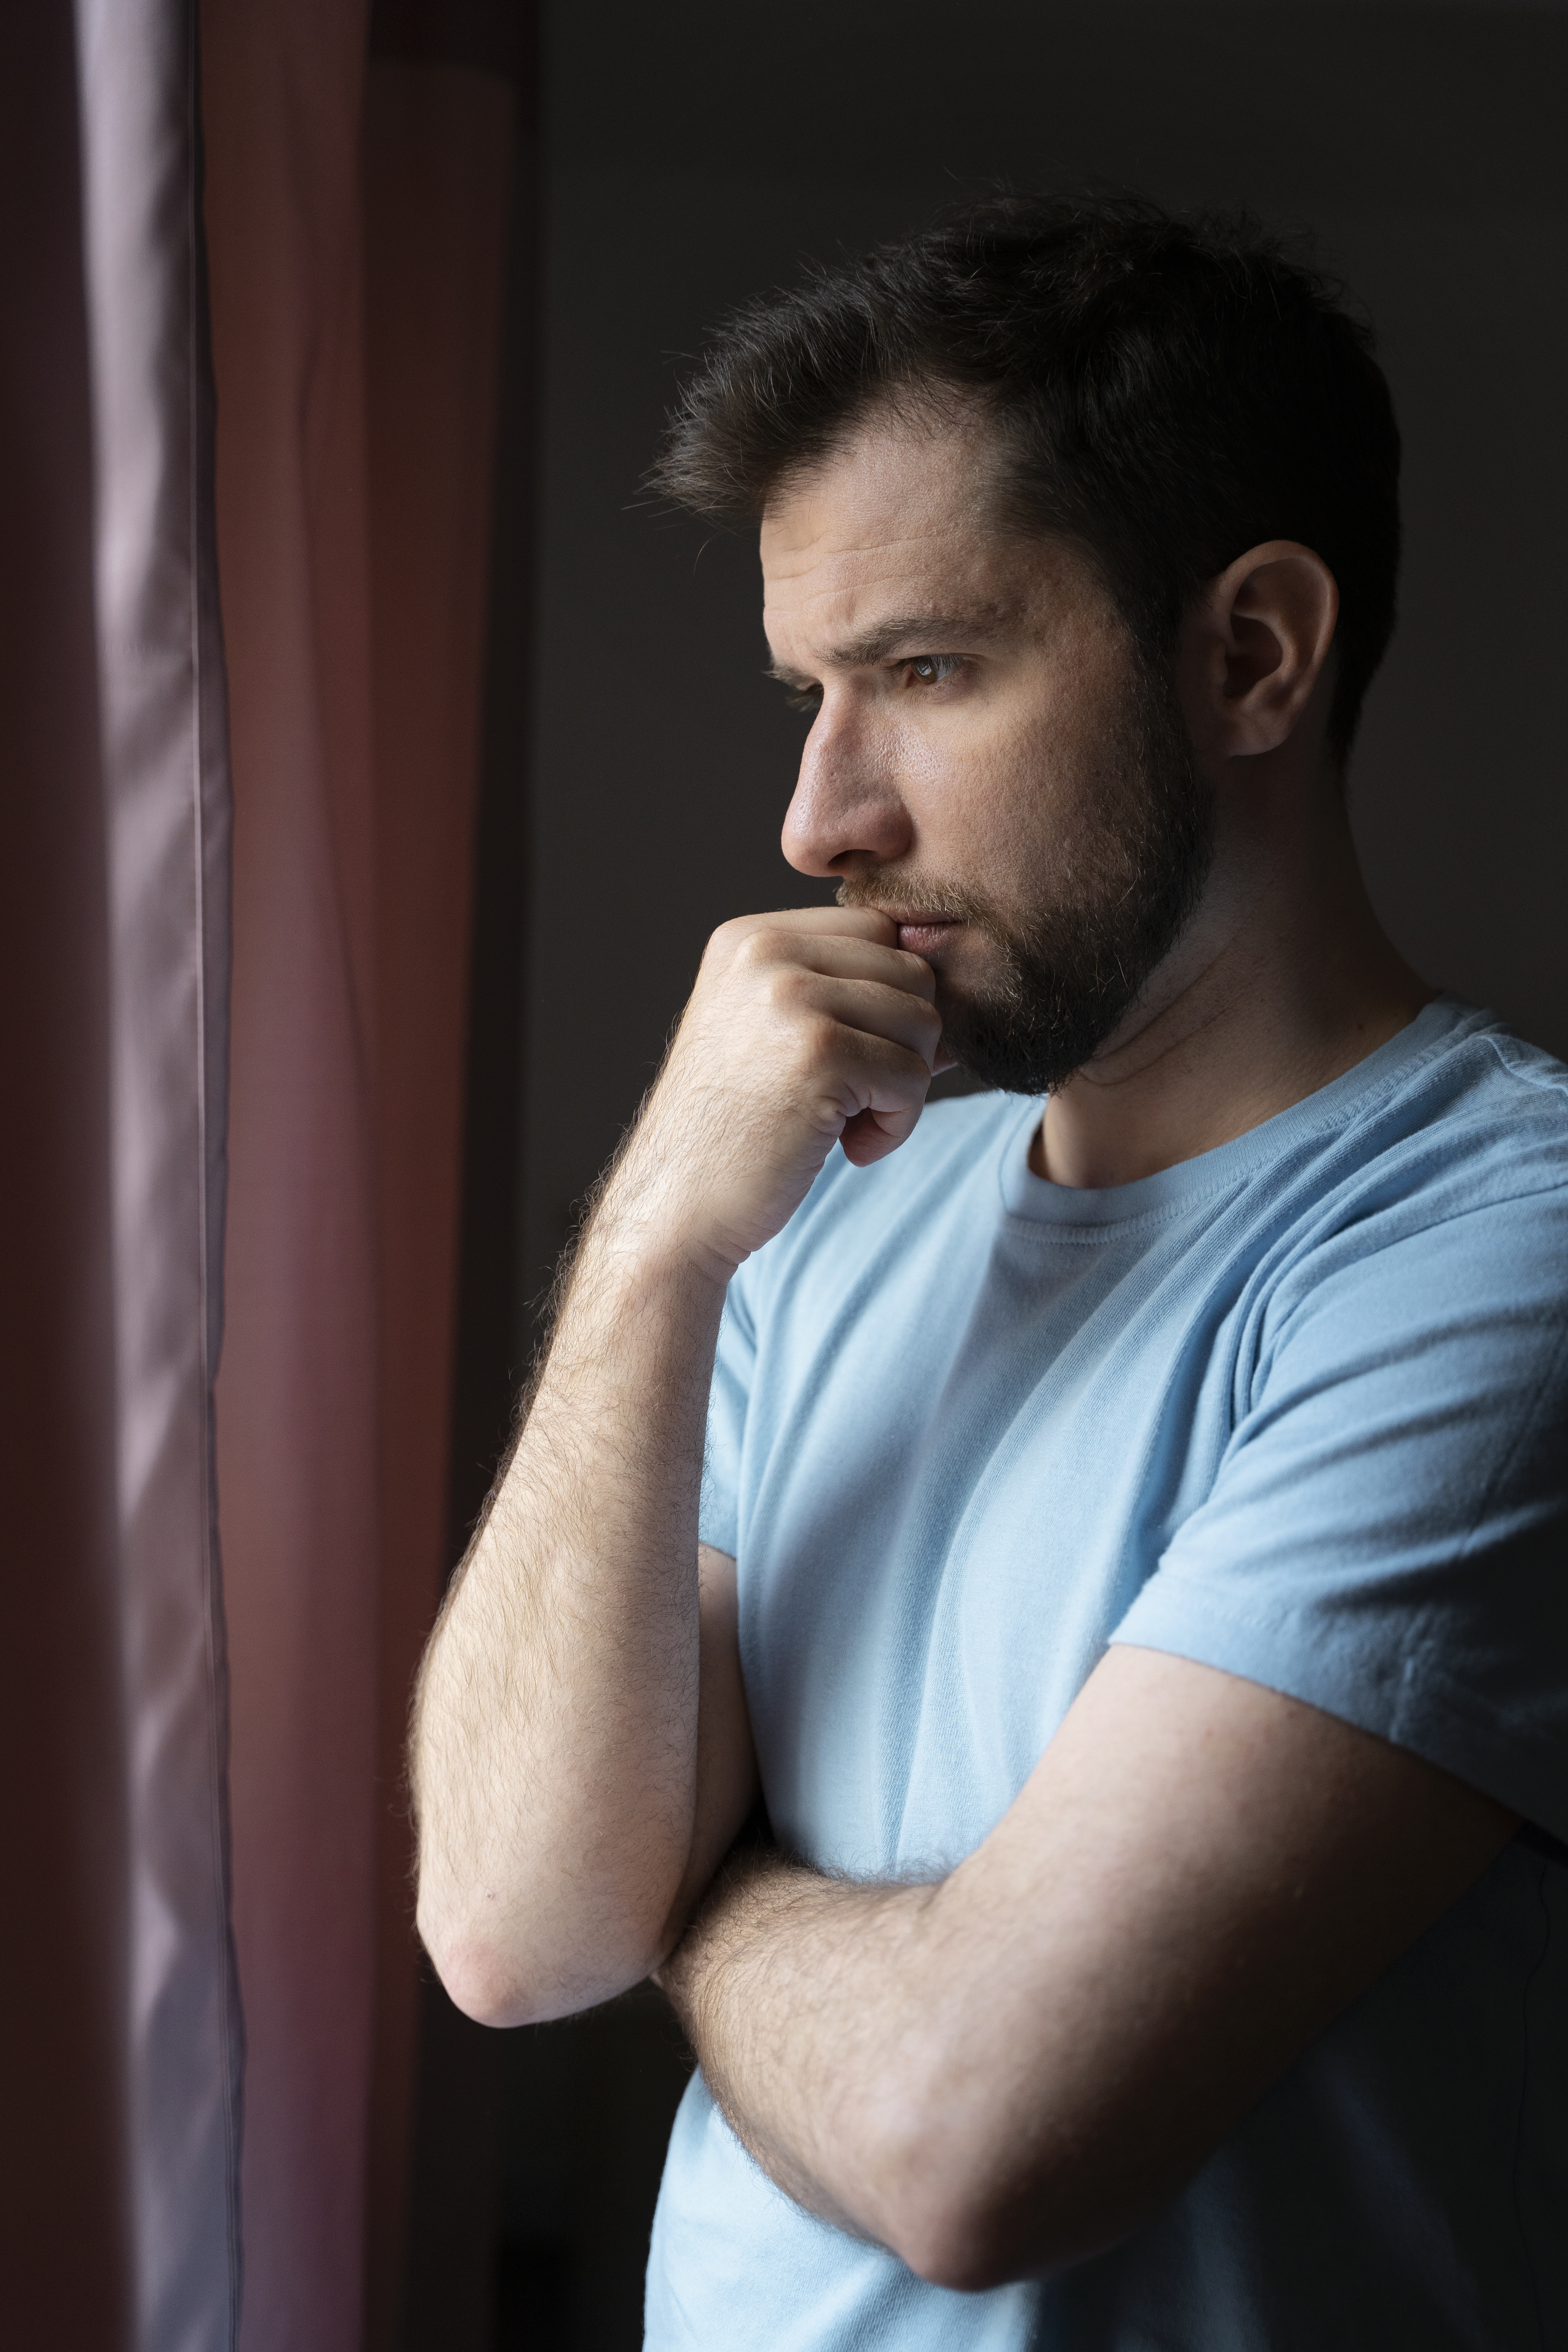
[1254,649]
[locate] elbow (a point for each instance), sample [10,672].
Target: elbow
[991,2225]
[971,2245]
[505,1978]
[928,2202]
[481,1978]
[954,2242]
[478,1968]
[967,2210]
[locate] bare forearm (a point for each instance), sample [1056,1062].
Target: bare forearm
[999,2075]
[565,1781]
[556,1734]
[796,1992]
[865,2048]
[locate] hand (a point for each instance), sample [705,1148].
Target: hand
[804,1029]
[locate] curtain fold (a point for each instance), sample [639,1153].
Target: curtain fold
[437,163]
[314,1011]
[124,2050]
[356,216]
[297,1439]
[66,2274]
[166,798]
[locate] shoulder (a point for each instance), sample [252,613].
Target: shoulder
[1440,1223]
[1477,1072]
[1476,1124]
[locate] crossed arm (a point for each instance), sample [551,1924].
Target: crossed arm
[994,2075]
[998,2074]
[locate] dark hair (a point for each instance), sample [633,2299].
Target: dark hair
[1170,391]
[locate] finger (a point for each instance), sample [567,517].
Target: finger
[850,922]
[878,1089]
[746,935]
[867,1008]
[870,1135]
[840,957]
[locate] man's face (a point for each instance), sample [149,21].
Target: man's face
[991,762]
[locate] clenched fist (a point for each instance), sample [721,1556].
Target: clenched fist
[804,1029]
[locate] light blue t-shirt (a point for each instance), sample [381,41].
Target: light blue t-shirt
[1298,1409]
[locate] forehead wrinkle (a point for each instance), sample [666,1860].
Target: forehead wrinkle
[859,559]
[860,541]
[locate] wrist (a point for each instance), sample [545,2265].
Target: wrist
[647,1249]
[655,1222]
[738,1908]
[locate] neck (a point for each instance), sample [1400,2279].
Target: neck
[1284,980]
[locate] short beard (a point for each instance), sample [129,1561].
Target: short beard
[1125,892]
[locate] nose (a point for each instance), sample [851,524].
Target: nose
[847,810]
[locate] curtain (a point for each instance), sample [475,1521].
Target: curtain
[204,1775]
[357,214]
[166,800]
[66,2270]
[121,2023]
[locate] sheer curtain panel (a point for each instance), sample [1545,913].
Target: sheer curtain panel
[65,2232]
[166,794]
[123,2123]
[232,995]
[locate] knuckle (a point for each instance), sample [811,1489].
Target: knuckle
[803,998]
[757,948]
[820,1037]
[787,987]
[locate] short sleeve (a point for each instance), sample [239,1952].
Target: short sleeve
[735,1360]
[1386,1536]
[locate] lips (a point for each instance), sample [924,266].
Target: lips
[921,934]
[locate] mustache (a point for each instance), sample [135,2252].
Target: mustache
[898,890]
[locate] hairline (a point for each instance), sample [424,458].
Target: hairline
[935,404]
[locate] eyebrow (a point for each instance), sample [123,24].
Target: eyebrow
[925,629]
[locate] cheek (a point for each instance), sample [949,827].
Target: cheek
[1045,810]
[1005,787]
[1075,746]
[983,806]
[1027,774]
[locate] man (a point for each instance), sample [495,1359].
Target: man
[1130,1560]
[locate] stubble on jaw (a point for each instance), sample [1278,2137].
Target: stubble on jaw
[1071,965]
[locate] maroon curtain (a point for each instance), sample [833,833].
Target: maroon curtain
[356,219]
[438,139]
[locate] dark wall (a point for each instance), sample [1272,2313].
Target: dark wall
[696,152]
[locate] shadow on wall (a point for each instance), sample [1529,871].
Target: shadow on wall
[694,160]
